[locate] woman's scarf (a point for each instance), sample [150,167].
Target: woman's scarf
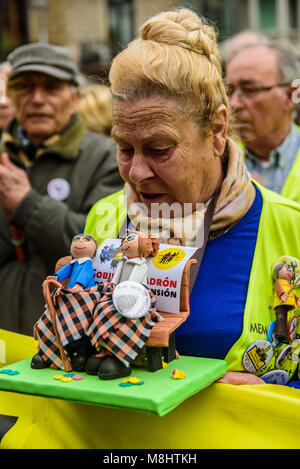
[234,200]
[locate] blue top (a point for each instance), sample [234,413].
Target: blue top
[79,272]
[215,322]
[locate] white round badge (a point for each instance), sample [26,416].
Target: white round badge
[276,377]
[131,299]
[59,189]
[257,355]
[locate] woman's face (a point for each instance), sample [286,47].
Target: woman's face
[161,154]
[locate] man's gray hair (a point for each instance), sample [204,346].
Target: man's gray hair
[288,61]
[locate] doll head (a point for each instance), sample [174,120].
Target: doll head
[283,271]
[83,245]
[139,244]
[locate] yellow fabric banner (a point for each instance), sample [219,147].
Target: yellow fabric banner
[221,416]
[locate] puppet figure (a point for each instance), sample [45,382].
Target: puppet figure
[123,333]
[80,276]
[80,270]
[284,299]
[136,246]
[84,328]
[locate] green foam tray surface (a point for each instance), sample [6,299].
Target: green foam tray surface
[159,394]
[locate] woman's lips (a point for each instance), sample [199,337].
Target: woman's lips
[150,197]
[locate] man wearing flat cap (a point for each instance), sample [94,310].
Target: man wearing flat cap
[52,170]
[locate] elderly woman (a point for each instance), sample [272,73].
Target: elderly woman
[171,122]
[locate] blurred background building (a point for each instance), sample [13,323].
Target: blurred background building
[95,30]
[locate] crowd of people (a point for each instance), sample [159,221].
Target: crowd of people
[53,169]
[181,123]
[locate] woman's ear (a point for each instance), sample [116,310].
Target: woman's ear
[219,130]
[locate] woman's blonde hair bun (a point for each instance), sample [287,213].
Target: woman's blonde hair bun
[174,57]
[183,28]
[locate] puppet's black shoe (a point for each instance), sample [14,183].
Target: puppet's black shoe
[78,362]
[112,368]
[93,364]
[37,363]
[80,350]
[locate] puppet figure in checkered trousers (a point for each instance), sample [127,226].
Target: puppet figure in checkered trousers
[80,274]
[98,328]
[123,319]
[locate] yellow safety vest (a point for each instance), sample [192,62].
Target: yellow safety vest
[278,235]
[291,187]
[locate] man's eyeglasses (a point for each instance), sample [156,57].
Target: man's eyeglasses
[249,91]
